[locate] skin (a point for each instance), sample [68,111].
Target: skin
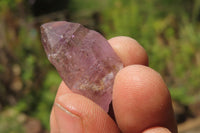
[141,100]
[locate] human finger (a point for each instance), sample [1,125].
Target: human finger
[141,100]
[77,114]
[129,50]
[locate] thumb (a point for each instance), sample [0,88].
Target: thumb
[77,114]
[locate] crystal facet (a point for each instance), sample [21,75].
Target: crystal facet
[84,59]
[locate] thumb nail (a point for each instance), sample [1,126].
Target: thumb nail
[157,130]
[67,121]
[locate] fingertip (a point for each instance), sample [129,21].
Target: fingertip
[141,80]
[129,50]
[141,100]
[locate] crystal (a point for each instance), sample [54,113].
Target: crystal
[84,59]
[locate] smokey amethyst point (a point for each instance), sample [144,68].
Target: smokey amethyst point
[84,59]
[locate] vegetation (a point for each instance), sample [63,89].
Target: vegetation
[168,30]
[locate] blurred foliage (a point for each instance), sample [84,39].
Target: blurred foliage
[86,5]
[28,82]
[168,30]
[11,122]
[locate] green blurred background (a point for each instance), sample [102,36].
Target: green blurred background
[169,30]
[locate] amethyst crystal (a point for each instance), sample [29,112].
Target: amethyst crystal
[83,58]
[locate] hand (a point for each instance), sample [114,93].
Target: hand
[141,100]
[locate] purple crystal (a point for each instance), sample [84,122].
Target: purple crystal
[83,58]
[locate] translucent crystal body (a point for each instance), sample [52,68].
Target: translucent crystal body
[83,58]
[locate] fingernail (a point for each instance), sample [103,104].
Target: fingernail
[67,121]
[157,130]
